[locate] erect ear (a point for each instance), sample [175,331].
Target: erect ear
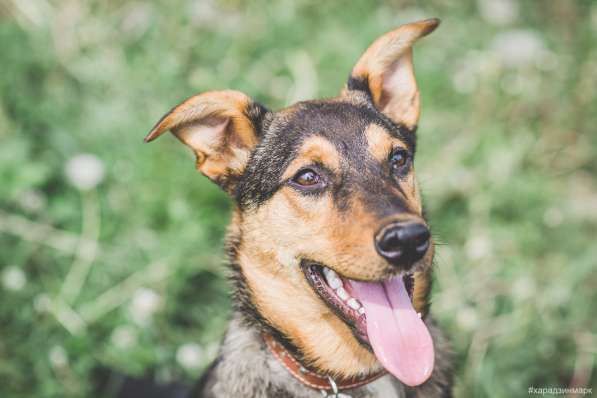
[221,127]
[386,72]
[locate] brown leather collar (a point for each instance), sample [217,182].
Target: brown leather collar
[310,378]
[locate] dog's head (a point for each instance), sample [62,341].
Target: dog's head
[329,218]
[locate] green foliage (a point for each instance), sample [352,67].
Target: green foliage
[122,265]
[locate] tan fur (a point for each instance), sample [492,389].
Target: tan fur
[311,228]
[215,127]
[410,186]
[380,143]
[421,288]
[314,149]
[307,228]
[285,299]
[387,67]
[416,194]
[283,296]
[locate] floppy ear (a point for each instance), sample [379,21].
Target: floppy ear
[221,127]
[386,72]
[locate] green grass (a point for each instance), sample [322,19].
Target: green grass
[507,161]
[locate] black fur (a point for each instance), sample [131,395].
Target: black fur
[258,114]
[342,123]
[359,84]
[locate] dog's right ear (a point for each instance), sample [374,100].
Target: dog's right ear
[221,127]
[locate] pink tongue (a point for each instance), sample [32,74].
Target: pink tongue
[398,336]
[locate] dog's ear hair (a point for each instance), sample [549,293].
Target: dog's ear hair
[221,127]
[385,72]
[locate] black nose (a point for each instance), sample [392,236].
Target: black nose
[402,243]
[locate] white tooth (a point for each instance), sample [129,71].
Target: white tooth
[362,310]
[419,314]
[354,304]
[332,278]
[335,283]
[343,294]
[329,272]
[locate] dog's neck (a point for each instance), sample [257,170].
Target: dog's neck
[246,367]
[312,378]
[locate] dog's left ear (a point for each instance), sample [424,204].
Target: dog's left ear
[386,72]
[221,127]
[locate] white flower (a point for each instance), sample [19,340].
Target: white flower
[144,304]
[478,247]
[559,295]
[467,318]
[204,12]
[57,356]
[189,356]
[464,81]
[553,217]
[518,48]
[146,238]
[304,76]
[498,12]
[13,278]
[32,200]
[42,302]
[523,288]
[85,171]
[124,336]
[470,68]
[137,20]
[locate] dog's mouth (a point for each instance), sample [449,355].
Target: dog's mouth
[382,318]
[337,292]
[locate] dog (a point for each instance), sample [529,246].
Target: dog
[329,249]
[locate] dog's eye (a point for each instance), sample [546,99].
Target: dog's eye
[399,160]
[306,178]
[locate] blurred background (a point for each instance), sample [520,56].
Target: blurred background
[110,250]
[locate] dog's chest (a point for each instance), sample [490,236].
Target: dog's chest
[248,369]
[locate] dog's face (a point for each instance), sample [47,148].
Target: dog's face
[333,183]
[326,197]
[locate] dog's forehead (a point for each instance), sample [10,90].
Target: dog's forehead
[344,125]
[334,120]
